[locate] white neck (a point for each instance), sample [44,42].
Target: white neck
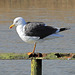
[19,30]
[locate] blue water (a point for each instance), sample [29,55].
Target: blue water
[50,67]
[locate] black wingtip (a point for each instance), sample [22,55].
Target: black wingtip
[63,29]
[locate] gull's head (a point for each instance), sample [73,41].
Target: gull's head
[18,21]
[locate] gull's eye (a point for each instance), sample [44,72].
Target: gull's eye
[16,21]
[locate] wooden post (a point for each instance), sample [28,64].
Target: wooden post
[36,66]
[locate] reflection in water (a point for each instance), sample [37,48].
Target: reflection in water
[36,10]
[25,4]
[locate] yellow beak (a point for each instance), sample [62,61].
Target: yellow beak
[11,26]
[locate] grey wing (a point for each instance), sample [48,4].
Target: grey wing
[39,29]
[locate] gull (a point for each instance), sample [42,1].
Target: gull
[35,32]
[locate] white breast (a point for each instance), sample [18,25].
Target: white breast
[25,38]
